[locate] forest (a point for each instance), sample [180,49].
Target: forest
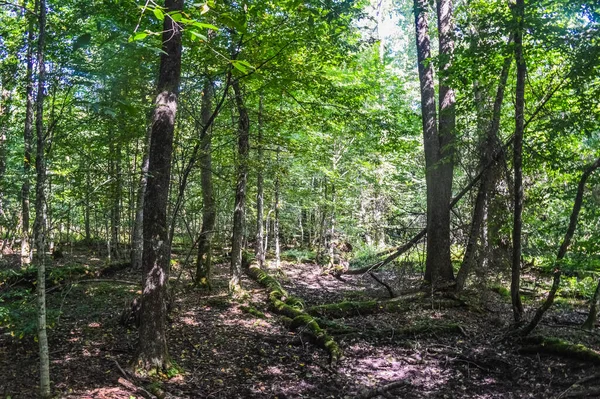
[299,199]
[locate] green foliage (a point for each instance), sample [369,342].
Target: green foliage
[364,255]
[299,255]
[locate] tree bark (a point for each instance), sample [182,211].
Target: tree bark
[519,12]
[240,191]
[490,143]
[40,222]
[260,198]
[152,350]
[203,263]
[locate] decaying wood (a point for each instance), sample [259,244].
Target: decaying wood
[558,347]
[292,309]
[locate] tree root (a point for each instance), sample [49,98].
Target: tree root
[559,347]
[294,316]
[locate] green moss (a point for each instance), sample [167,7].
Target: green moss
[252,311]
[559,347]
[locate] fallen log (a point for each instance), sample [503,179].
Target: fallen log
[559,347]
[292,309]
[400,304]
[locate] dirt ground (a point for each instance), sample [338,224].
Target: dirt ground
[225,349]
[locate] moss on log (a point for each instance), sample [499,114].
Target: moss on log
[559,347]
[291,308]
[362,308]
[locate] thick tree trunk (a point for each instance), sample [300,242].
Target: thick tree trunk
[260,199]
[240,191]
[28,146]
[40,222]
[152,350]
[479,211]
[438,265]
[203,263]
[137,238]
[519,11]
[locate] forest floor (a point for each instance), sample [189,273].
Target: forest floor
[225,348]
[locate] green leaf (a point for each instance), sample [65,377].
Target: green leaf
[138,36]
[203,25]
[199,35]
[239,66]
[159,14]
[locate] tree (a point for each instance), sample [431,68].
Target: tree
[437,144]
[152,351]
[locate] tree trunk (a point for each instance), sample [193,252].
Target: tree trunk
[487,148]
[137,239]
[152,350]
[40,222]
[240,191]
[203,263]
[276,221]
[115,210]
[592,318]
[260,200]
[519,11]
[28,145]
[438,265]
[563,250]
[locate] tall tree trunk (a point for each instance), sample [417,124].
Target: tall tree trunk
[276,221]
[40,222]
[490,142]
[240,191]
[562,251]
[438,265]
[28,145]
[86,210]
[519,12]
[115,210]
[203,263]
[137,239]
[152,352]
[260,198]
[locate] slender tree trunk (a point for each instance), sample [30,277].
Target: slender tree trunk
[28,146]
[40,222]
[152,352]
[276,222]
[562,251]
[86,210]
[519,11]
[115,211]
[479,210]
[260,199]
[137,239]
[203,263]
[240,192]
[592,318]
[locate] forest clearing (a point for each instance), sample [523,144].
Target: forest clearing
[299,199]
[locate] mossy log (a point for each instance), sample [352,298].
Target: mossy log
[362,308]
[559,347]
[291,308]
